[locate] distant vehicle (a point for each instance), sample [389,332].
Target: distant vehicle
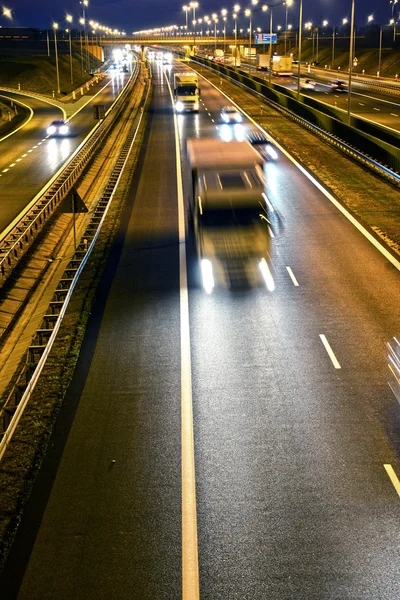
[186,92]
[259,139]
[123,69]
[229,211]
[230,114]
[262,62]
[282,66]
[338,86]
[307,84]
[58,128]
[114,66]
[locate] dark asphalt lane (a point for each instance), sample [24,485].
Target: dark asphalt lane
[29,159]
[112,529]
[293,500]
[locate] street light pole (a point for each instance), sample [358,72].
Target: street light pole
[333,45]
[270,46]
[350,61]
[299,51]
[69,19]
[55,27]
[380,51]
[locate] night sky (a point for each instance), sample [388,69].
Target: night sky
[133,15]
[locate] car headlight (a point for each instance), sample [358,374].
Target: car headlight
[272,153]
[196,106]
[207,275]
[64,130]
[238,118]
[179,106]
[51,130]
[225,118]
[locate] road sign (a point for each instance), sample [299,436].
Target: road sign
[73,203]
[264,38]
[99,111]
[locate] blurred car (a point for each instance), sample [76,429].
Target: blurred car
[123,69]
[230,114]
[58,128]
[264,145]
[307,84]
[338,86]
[114,66]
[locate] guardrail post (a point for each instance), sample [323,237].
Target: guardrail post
[81,91]
[73,95]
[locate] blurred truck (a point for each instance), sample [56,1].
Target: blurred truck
[262,62]
[228,208]
[186,92]
[282,66]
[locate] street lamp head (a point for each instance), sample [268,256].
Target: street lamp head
[224,12]
[68,18]
[324,23]
[236,8]
[82,21]
[194,4]
[279,27]
[254,2]
[264,7]
[214,16]
[345,21]
[55,25]
[370,18]
[247,12]
[234,15]
[288,3]
[7,13]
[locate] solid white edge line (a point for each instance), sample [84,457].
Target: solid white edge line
[395,262]
[23,124]
[393,477]
[292,277]
[190,562]
[330,352]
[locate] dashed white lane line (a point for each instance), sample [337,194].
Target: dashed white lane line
[361,104]
[30,150]
[12,165]
[23,156]
[330,352]
[18,160]
[5,170]
[292,277]
[271,233]
[213,120]
[394,115]
[377,109]
[393,477]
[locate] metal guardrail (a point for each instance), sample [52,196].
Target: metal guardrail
[42,344]
[331,138]
[14,245]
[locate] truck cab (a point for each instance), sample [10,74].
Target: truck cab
[186,92]
[230,218]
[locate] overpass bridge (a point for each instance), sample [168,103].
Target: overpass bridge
[173,40]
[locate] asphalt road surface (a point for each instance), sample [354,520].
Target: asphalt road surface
[293,419]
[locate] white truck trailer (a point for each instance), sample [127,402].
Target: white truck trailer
[282,66]
[262,62]
[186,92]
[229,211]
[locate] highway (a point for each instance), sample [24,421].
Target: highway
[29,158]
[374,106]
[293,419]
